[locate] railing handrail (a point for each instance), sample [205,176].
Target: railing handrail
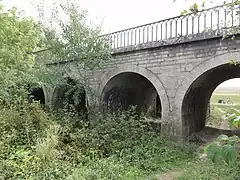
[159,21]
[170,28]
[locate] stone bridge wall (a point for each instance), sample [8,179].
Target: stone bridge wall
[171,69]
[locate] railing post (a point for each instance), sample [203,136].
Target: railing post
[152,32]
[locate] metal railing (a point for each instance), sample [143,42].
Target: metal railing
[216,18]
[169,31]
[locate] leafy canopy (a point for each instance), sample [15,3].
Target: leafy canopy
[68,35]
[28,47]
[18,37]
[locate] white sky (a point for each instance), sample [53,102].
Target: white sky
[121,14]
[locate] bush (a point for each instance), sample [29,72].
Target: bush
[106,168]
[122,147]
[226,148]
[127,138]
[21,128]
[21,131]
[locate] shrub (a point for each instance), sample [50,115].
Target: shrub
[122,147]
[205,169]
[106,168]
[127,138]
[21,128]
[224,148]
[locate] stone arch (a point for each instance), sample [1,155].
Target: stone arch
[149,75]
[207,66]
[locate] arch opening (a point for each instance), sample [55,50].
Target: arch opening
[196,105]
[224,102]
[36,94]
[70,97]
[131,89]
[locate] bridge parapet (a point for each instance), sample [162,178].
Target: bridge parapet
[209,23]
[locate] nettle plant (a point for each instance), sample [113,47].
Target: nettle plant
[226,148]
[234,118]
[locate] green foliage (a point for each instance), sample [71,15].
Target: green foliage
[46,146]
[234,118]
[229,111]
[127,138]
[215,117]
[22,127]
[214,152]
[19,134]
[205,169]
[224,148]
[229,154]
[19,36]
[193,8]
[113,148]
[69,36]
[108,168]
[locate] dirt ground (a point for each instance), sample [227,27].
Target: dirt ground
[169,175]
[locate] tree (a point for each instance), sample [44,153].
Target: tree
[196,7]
[27,44]
[70,37]
[18,37]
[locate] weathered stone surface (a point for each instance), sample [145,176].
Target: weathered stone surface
[184,75]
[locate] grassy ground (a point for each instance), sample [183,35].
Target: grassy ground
[218,110]
[201,168]
[235,98]
[204,169]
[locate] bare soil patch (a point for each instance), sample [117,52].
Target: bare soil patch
[170,175]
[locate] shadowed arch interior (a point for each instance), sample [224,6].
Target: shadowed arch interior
[36,94]
[70,96]
[196,100]
[131,89]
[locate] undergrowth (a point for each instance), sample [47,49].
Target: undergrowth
[37,145]
[205,169]
[215,117]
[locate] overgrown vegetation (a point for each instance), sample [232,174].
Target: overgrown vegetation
[224,148]
[35,146]
[36,143]
[215,117]
[39,144]
[205,169]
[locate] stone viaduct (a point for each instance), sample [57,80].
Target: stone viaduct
[171,66]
